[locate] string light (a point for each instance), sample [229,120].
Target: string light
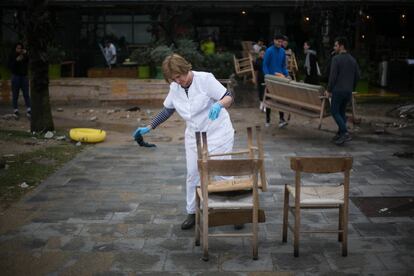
[244,12]
[307,18]
[368,17]
[362,36]
[403,37]
[403,16]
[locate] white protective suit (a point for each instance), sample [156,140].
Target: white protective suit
[204,91]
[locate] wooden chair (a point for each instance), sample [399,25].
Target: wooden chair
[318,197]
[239,203]
[244,67]
[291,64]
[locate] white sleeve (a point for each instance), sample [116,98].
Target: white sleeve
[113,50]
[168,102]
[214,89]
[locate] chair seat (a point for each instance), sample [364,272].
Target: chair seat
[319,195]
[235,184]
[228,200]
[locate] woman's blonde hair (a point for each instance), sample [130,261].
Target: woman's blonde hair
[175,65]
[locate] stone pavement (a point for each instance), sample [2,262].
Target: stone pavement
[116,209]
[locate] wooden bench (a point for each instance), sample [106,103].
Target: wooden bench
[299,98]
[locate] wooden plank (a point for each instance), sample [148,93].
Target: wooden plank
[325,164]
[287,108]
[298,101]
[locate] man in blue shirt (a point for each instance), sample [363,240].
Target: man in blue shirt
[274,62]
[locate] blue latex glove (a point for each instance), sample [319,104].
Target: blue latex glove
[214,111]
[140,131]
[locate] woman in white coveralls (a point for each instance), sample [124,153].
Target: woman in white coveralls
[201,100]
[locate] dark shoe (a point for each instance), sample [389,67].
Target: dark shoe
[189,222]
[238,226]
[282,124]
[16,115]
[335,137]
[343,138]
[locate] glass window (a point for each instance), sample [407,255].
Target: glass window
[118,18]
[142,18]
[120,30]
[141,33]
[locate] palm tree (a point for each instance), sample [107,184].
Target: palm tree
[38,36]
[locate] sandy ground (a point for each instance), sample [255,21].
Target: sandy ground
[120,123]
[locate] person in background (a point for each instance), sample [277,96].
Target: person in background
[342,81]
[274,63]
[258,67]
[312,71]
[18,65]
[208,47]
[201,100]
[258,46]
[110,54]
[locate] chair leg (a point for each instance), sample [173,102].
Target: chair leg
[297,229]
[197,221]
[255,230]
[340,223]
[345,231]
[285,214]
[205,235]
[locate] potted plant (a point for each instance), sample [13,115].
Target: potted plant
[158,55]
[142,58]
[221,65]
[55,56]
[188,49]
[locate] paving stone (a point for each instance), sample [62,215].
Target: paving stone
[190,262]
[376,229]
[305,262]
[244,262]
[354,262]
[137,261]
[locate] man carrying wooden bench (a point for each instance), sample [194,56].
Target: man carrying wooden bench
[274,63]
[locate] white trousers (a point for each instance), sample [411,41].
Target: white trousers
[193,177]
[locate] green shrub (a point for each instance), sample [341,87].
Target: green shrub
[221,65]
[189,50]
[160,53]
[141,56]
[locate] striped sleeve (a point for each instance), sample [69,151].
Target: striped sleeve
[228,93]
[162,116]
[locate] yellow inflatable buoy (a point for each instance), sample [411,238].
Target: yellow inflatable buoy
[87,135]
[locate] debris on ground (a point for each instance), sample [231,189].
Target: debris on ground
[7,116]
[404,154]
[140,140]
[134,108]
[24,185]
[61,138]
[93,119]
[403,111]
[49,135]
[78,144]
[59,109]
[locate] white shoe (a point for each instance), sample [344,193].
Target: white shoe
[282,124]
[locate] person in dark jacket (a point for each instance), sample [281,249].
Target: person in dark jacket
[312,71]
[18,65]
[258,67]
[343,78]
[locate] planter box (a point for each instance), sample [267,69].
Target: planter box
[54,71]
[121,72]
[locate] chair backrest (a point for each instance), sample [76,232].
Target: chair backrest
[326,164]
[232,167]
[237,168]
[243,65]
